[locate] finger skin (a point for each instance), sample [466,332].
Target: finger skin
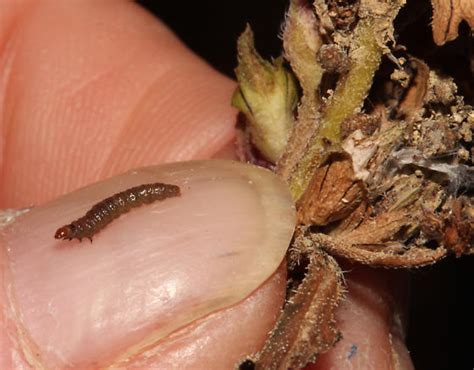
[90,89]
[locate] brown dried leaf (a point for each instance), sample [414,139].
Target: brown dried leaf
[378,230]
[352,221]
[306,326]
[383,254]
[459,236]
[447,14]
[415,95]
[377,236]
[333,193]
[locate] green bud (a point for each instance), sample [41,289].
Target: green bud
[267,95]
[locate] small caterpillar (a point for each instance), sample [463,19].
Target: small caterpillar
[107,210]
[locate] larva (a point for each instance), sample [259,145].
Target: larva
[107,210]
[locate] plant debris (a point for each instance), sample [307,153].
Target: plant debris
[383,181]
[307,326]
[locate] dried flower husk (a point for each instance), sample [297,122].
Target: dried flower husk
[306,327]
[333,193]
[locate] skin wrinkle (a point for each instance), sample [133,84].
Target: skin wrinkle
[6,113]
[110,150]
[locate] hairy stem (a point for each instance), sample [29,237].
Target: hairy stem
[348,97]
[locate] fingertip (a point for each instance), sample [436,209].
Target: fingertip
[152,270]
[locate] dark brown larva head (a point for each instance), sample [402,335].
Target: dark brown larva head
[64,232]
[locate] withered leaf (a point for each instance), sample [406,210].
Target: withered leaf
[415,95]
[381,254]
[377,230]
[306,326]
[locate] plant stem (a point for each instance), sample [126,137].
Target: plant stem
[348,96]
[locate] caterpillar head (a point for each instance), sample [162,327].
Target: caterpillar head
[65,232]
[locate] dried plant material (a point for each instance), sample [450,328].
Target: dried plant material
[267,96]
[368,124]
[441,90]
[447,14]
[326,26]
[369,153]
[333,193]
[454,230]
[384,254]
[306,327]
[414,97]
[458,234]
[343,14]
[385,180]
[377,230]
[353,220]
[434,137]
[379,239]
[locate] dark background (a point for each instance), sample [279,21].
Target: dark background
[211,28]
[441,335]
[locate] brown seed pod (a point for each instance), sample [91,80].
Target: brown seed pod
[107,210]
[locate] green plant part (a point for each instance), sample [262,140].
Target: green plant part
[348,97]
[267,95]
